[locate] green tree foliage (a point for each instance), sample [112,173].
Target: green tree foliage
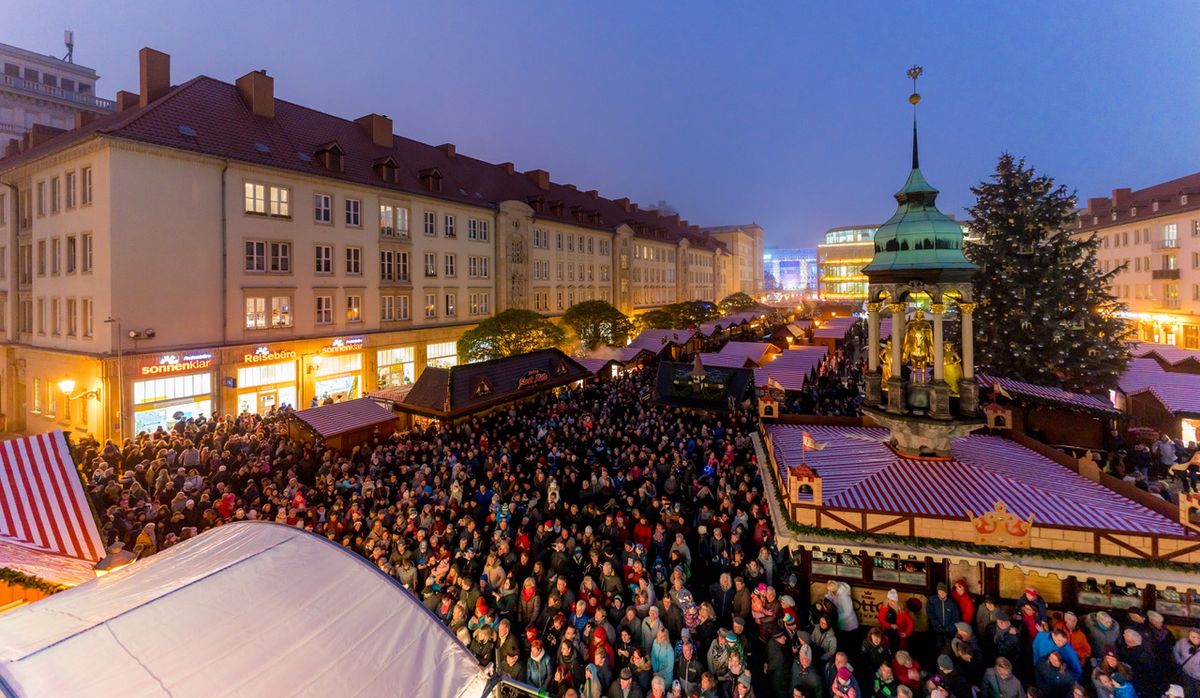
[511,332]
[598,323]
[1045,314]
[688,313]
[657,320]
[737,303]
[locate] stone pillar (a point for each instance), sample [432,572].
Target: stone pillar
[897,395]
[874,388]
[939,403]
[968,388]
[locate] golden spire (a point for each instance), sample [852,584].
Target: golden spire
[915,98]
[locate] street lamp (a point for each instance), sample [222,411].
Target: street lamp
[67,386]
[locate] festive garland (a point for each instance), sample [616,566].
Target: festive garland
[947,545]
[15,578]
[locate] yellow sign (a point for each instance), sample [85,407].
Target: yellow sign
[264,354]
[867,601]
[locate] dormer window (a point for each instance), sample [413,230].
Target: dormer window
[1133,210]
[1095,220]
[1183,199]
[537,203]
[431,179]
[577,212]
[1154,207]
[331,156]
[1114,215]
[556,208]
[387,170]
[593,216]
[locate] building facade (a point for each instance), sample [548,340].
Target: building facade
[745,244]
[840,260]
[791,269]
[211,249]
[1151,237]
[37,89]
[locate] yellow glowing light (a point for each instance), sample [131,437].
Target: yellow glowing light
[67,386]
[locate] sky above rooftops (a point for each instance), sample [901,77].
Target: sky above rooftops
[788,114]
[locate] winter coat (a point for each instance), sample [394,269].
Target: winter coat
[847,619]
[538,672]
[901,621]
[809,681]
[662,660]
[1100,637]
[1187,657]
[718,658]
[943,614]
[688,672]
[1148,679]
[1043,645]
[635,691]
[996,687]
[824,643]
[1053,683]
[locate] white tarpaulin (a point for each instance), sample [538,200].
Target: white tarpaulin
[247,609]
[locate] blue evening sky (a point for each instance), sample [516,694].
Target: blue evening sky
[790,114]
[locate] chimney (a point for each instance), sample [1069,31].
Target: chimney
[126,100]
[378,127]
[1121,198]
[540,177]
[674,218]
[1096,204]
[449,150]
[40,133]
[593,193]
[13,147]
[507,167]
[83,118]
[155,74]
[623,203]
[572,187]
[258,92]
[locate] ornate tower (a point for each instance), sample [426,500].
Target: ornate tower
[919,258]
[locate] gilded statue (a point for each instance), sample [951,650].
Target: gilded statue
[952,368]
[885,359]
[918,346]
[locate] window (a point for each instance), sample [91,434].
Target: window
[322,208]
[441,354]
[25,316]
[472,229]
[70,190]
[430,223]
[477,267]
[87,317]
[281,257]
[401,307]
[256,313]
[4,209]
[281,311]
[450,265]
[354,308]
[353,213]
[430,306]
[324,258]
[256,256]
[324,310]
[87,252]
[591,249]
[451,303]
[3,262]
[71,261]
[604,247]
[541,238]
[401,222]
[41,257]
[402,267]
[570,272]
[256,198]
[570,243]
[387,310]
[387,265]
[484,231]
[354,260]
[72,318]
[1170,235]
[55,256]
[387,220]
[558,241]
[448,226]
[430,264]
[41,199]
[54,317]
[559,299]
[480,303]
[558,271]
[41,320]
[1171,602]
[26,268]
[55,191]
[87,185]
[37,395]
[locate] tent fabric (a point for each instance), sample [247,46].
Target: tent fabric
[343,417]
[246,609]
[42,503]
[1052,395]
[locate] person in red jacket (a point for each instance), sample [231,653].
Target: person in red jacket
[895,621]
[642,533]
[966,604]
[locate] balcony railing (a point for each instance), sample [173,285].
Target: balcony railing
[14,129]
[1164,274]
[84,98]
[1171,303]
[1166,244]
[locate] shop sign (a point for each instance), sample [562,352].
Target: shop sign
[177,363]
[867,601]
[342,344]
[532,378]
[264,354]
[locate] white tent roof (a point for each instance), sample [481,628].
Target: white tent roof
[247,609]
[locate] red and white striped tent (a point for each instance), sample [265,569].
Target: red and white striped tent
[47,529]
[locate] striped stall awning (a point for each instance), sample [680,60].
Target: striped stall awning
[42,503]
[834,328]
[860,472]
[1048,394]
[1144,373]
[1169,353]
[758,352]
[791,368]
[1179,400]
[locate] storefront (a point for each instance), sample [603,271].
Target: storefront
[267,379]
[339,369]
[172,387]
[396,366]
[441,354]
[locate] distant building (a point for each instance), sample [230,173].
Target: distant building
[793,269]
[840,259]
[745,244]
[37,89]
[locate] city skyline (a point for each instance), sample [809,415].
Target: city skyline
[601,108]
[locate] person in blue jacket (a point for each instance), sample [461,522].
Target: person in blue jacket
[943,613]
[1056,640]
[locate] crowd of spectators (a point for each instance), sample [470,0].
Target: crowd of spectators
[589,542]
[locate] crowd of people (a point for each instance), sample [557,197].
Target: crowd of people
[590,543]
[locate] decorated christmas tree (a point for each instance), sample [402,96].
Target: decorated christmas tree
[1045,313]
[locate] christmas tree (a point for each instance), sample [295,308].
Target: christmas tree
[1045,312]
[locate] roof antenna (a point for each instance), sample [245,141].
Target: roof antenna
[69,40]
[914,99]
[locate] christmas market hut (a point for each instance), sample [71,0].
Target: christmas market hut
[1053,415]
[343,425]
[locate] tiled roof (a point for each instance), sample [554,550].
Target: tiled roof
[1166,194]
[1145,372]
[791,368]
[343,417]
[225,127]
[461,390]
[858,471]
[1178,399]
[1168,354]
[713,359]
[655,341]
[1055,396]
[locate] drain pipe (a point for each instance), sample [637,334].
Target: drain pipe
[224,275]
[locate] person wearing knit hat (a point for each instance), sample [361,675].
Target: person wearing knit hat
[943,613]
[945,663]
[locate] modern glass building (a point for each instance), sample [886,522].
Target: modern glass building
[840,259]
[792,269]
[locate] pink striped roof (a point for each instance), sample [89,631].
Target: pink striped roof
[42,503]
[1048,394]
[1180,400]
[758,352]
[858,471]
[792,367]
[1169,353]
[655,340]
[835,328]
[726,360]
[1145,372]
